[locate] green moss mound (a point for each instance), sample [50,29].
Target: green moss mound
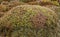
[29,21]
[57,10]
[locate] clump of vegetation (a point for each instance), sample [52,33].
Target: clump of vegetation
[29,21]
[18,19]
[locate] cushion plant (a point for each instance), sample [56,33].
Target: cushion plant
[29,21]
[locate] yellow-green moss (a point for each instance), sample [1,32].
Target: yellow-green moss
[30,21]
